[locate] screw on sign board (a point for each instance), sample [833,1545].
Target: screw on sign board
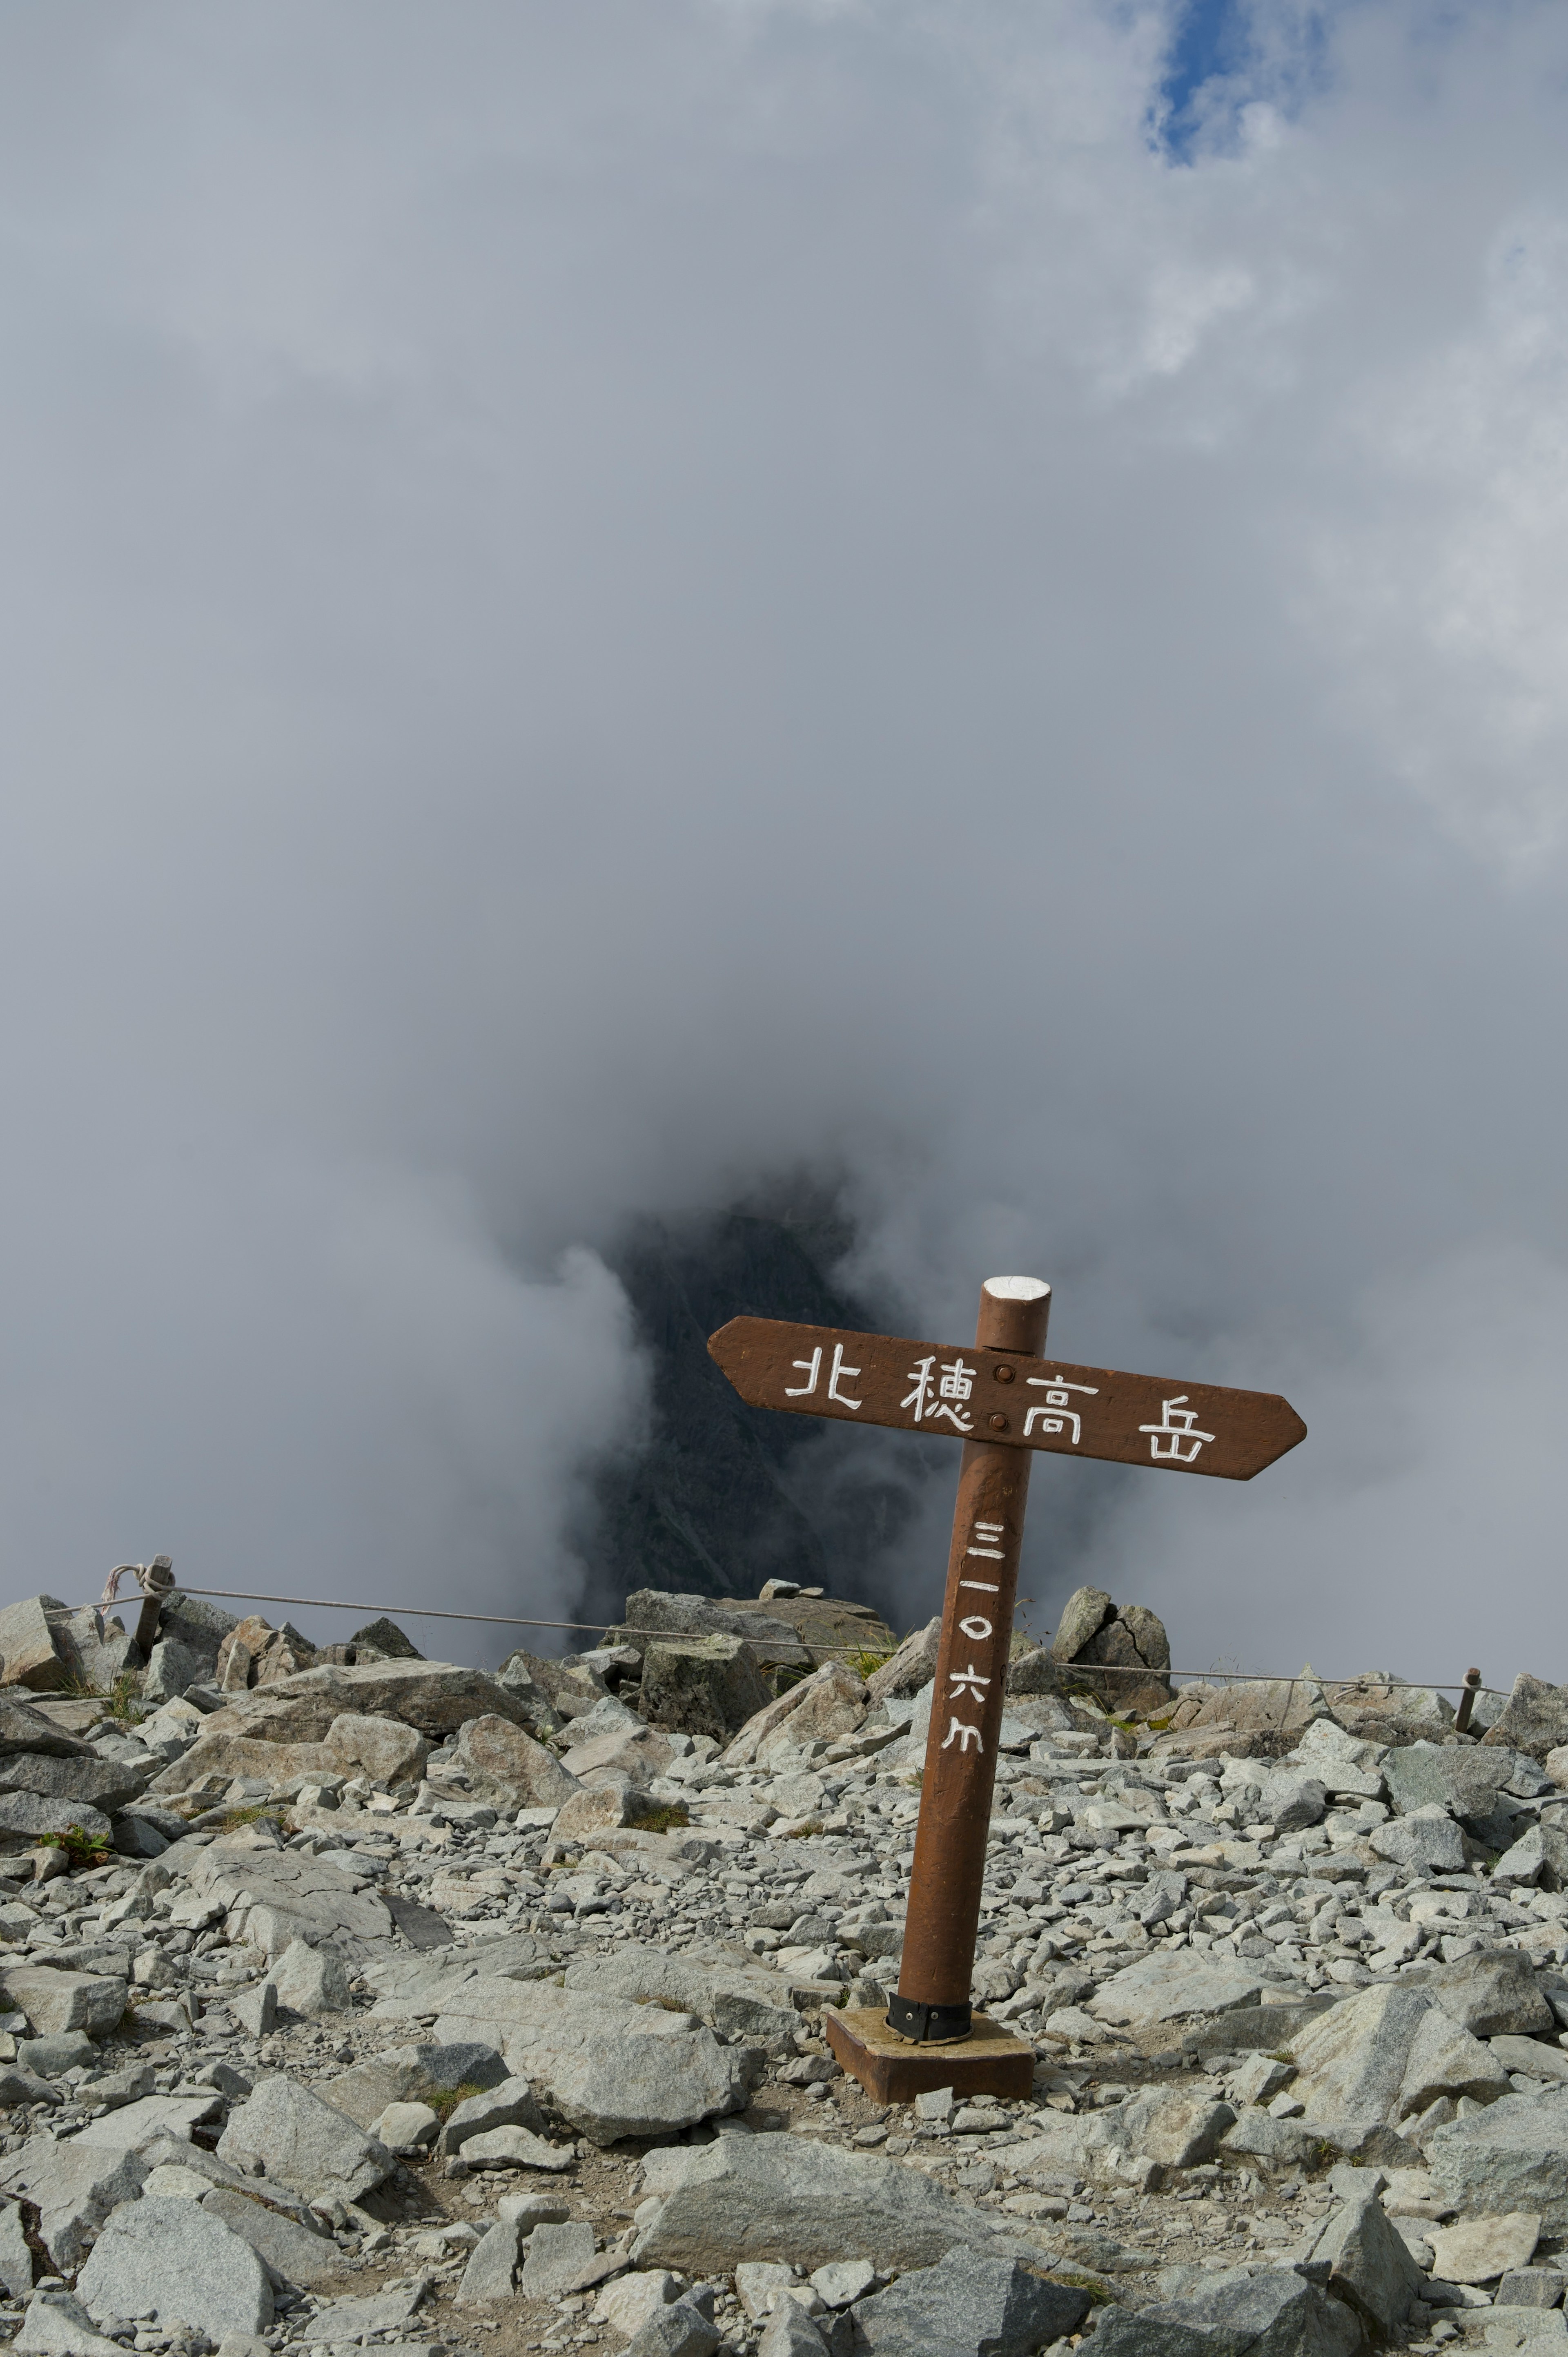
[1004,1400]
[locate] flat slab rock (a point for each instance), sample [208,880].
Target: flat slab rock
[75,2186]
[357,2319]
[777,2197]
[57,2325]
[437,1698]
[55,2001]
[303,2142]
[1510,2156]
[409,1988]
[134,2127]
[302,2258]
[1171,1984]
[1384,2055]
[609,2067]
[180,2260]
[274,1896]
[966,2302]
[412,2074]
[1272,2314]
[734,2000]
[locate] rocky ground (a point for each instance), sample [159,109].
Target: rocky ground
[359,2000]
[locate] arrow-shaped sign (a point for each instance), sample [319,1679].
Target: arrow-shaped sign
[966,1394]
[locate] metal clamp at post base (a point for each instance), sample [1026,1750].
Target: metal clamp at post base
[929,2025]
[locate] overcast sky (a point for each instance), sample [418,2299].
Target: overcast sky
[602,603]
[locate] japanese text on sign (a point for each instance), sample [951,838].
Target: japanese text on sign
[1174,1438]
[966,1686]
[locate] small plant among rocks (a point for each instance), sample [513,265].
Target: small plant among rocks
[79,1847]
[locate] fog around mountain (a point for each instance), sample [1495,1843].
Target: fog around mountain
[611,613]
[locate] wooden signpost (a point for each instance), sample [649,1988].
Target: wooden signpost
[1004,1400]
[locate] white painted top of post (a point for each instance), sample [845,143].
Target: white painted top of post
[1017,1289]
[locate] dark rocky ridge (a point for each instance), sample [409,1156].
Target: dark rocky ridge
[726,1496]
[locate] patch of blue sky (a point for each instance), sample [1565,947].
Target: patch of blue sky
[1227,54]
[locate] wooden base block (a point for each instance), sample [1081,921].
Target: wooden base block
[990,2062]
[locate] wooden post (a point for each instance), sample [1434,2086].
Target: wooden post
[159,1583]
[1005,1402]
[970,1687]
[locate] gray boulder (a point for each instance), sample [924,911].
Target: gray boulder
[1463,1779]
[1383,2055]
[1084,1615]
[703,1685]
[36,1651]
[1292,1800]
[911,1667]
[824,1707]
[521,1674]
[273,1897]
[139,1834]
[789,2333]
[57,2325]
[386,1641]
[1369,2267]
[26,1817]
[1273,2314]
[199,1764]
[666,1612]
[102,1784]
[1343,1763]
[197,1625]
[303,2142]
[517,2149]
[381,1748]
[377,2316]
[179,2260]
[55,2002]
[1292,2144]
[171,1668]
[1131,1655]
[611,2069]
[739,2001]
[1429,1837]
[100,1645]
[410,2074]
[75,2187]
[502,1762]
[136,2126]
[24,1728]
[291,2250]
[776,2197]
[969,2304]
[313,1982]
[437,1698]
[1491,1991]
[679,2330]
[20,2085]
[1514,2155]
[508,2104]
[1534,1718]
[555,2259]
[1175,2126]
[16,2252]
[1539,1856]
[1170,1983]
[1033,1675]
[491,2272]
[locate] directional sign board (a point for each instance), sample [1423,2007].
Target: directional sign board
[968,1393]
[1004,1400]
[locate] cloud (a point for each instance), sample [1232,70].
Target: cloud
[601,605]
